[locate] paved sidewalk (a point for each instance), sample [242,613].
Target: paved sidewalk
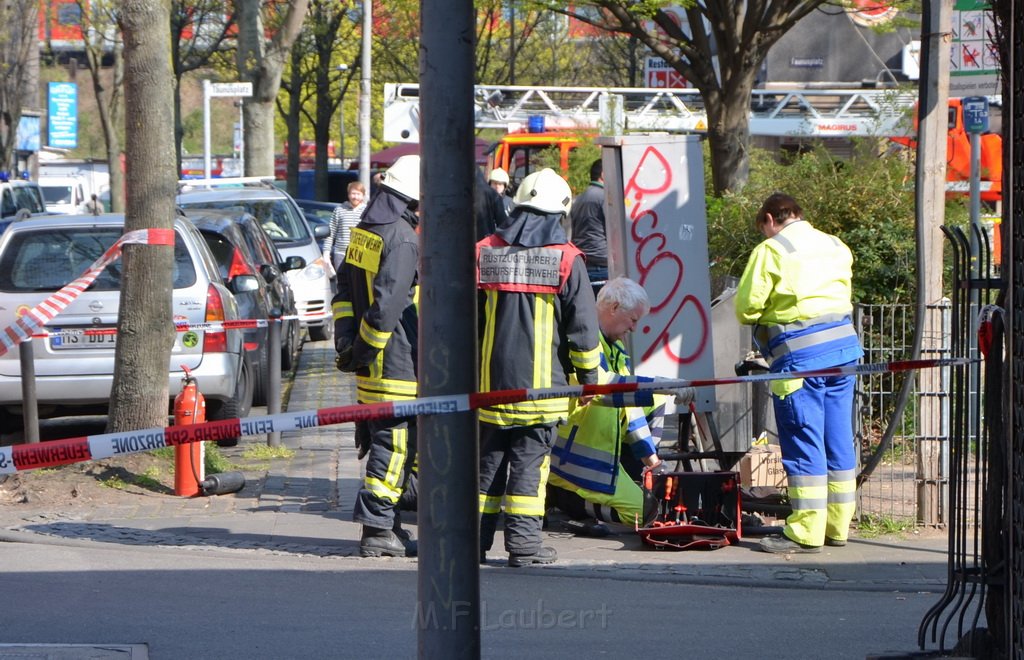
[303,506]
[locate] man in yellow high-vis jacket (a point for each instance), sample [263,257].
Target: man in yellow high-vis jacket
[796,292]
[588,480]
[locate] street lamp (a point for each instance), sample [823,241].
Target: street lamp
[341,117]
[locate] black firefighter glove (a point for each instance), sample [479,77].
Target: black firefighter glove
[344,360]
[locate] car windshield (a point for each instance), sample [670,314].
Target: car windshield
[278,218]
[48,259]
[27,197]
[57,194]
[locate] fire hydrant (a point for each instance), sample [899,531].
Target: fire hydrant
[189,408]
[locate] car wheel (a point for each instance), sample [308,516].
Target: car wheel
[321,332]
[290,347]
[11,423]
[261,376]
[238,405]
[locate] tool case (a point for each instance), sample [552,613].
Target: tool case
[696,510]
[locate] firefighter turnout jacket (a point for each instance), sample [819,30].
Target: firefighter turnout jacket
[374,311]
[538,320]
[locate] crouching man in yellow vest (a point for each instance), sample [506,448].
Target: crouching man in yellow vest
[587,480]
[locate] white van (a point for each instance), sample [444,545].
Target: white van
[64,194]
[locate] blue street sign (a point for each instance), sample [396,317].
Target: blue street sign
[975,114]
[62,115]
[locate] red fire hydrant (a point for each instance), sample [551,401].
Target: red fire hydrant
[189,408]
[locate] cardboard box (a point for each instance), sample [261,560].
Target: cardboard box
[762,466]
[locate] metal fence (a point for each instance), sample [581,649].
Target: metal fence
[896,488]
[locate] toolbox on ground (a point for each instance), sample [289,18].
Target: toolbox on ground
[696,510]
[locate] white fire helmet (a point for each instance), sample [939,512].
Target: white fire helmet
[498,175]
[404,177]
[544,191]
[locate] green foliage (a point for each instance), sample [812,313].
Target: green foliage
[214,460]
[873,526]
[265,452]
[866,199]
[580,159]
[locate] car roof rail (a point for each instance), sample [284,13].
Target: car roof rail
[226,182]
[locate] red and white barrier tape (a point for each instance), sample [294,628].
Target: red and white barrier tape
[34,319]
[74,450]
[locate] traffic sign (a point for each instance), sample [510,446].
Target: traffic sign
[231,89]
[62,115]
[975,114]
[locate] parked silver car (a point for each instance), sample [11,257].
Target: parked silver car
[288,228]
[74,370]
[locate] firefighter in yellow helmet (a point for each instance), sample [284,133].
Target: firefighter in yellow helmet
[796,292]
[538,328]
[375,326]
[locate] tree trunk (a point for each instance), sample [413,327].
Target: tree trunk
[110,119]
[729,136]
[261,62]
[16,50]
[291,122]
[140,396]
[322,129]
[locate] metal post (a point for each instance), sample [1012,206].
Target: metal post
[29,402]
[341,118]
[241,137]
[449,521]
[206,130]
[274,376]
[364,96]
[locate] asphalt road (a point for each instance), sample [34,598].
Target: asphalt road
[241,604]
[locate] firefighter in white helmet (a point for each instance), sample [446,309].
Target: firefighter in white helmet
[538,328]
[375,326]
[499,182]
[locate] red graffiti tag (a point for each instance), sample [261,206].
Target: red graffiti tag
[652,253]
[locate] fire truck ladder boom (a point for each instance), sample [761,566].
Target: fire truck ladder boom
[773,112]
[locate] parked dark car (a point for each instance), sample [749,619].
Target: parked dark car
[253,270]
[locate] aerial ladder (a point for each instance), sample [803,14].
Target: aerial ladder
[773,112]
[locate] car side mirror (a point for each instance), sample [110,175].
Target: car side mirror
[269,272]
[243,284]
[321,231]
[294,262]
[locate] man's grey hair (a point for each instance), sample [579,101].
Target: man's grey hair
[624,291]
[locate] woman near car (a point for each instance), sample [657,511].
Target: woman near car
[345,217]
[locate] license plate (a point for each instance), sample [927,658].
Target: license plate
[76,339]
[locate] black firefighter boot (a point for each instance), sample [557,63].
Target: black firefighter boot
[377,542]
